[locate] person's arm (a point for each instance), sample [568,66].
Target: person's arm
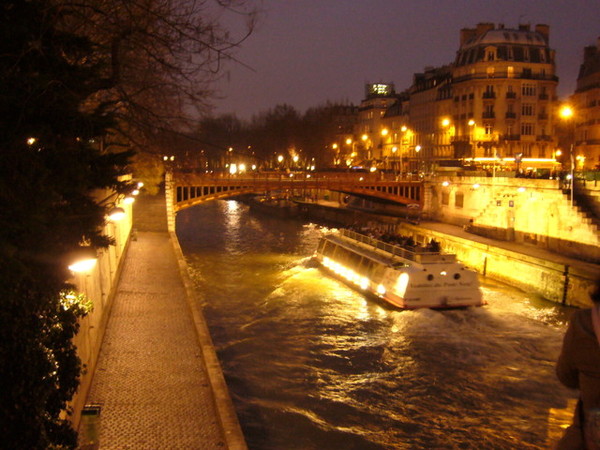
[566,372]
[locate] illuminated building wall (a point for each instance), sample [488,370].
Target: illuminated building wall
[586,103]
[523,210]
[504,90]
[430,104]
[497,99]
[367,140]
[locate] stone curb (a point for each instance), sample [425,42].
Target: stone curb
[228,419]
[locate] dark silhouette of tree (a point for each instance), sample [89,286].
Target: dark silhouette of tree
[161,57]
[51,171]
[278,131]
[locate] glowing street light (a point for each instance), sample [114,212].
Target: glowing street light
[566,112]
[116,214]
[83,259]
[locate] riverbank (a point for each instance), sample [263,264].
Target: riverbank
[552,276]
[158,382]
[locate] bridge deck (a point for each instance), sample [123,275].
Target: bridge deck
[189,189]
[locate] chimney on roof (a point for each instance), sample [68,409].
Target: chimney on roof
[483,28]
[590,51]
[544,30]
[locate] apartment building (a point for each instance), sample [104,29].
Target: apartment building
[586,106]
[495,104]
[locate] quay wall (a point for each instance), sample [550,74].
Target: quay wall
[559,282]
[99,286]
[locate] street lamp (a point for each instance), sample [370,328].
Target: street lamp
[418,151]
[83,259]
[566,113]
[116,214]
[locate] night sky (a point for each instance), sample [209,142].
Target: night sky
[306,52]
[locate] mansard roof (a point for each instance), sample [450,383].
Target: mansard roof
[506,36]
[522,44]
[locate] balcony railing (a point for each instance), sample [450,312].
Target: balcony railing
[511,137]
[484,75]
[488,115]
[489,94]
[512,95]
[544,137]
[543,96]
[543,116]
[511,115]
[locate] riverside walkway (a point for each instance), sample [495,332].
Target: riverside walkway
[158,380]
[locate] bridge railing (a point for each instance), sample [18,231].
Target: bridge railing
[280,176]
[188,188]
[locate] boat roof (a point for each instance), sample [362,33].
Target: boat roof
[390,251]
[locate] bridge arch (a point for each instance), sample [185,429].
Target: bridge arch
[185,189]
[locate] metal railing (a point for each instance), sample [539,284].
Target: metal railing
[419,254]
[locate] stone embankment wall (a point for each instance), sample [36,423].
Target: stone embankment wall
[523,210]
[560,282]
[99,286]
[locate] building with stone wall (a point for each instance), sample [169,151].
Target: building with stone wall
[504,89]
[524,210]
[493,106]
[586,103]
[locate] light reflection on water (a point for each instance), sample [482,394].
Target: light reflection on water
[312,364]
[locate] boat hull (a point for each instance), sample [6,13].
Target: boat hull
[406,280]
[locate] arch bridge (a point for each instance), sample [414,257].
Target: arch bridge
[187,189]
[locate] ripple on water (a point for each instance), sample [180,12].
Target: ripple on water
[312,363]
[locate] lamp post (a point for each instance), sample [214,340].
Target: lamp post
[382,143]
[567,113]
[418,151]
[365,138]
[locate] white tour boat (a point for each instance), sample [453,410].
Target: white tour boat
[407,279]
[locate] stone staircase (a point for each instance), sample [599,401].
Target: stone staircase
[587,201]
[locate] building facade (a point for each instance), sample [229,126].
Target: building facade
[493,106]
[586,104]
[504,94]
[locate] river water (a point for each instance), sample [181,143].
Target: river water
[312,364]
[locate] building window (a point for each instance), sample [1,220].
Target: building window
[445,198]
[490,72]
[489,129]
[528,109]
[510,72]
[528,89]
[527,129]
[459,199]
